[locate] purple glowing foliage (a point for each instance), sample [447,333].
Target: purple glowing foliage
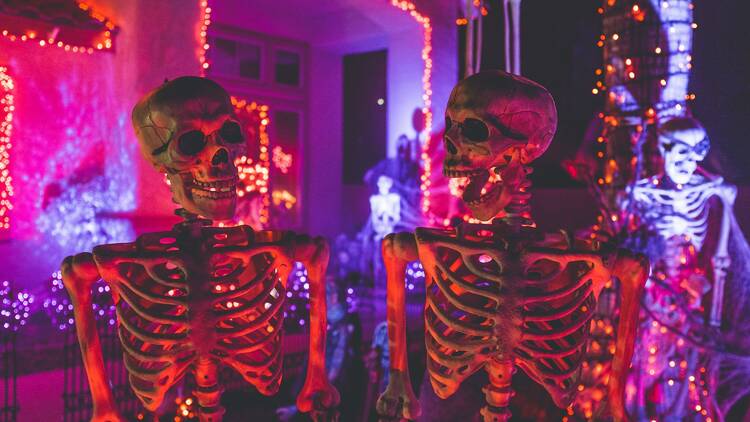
[60,310]
[73,218]
[297,299]
[15,308]
[297,309]
[414,276]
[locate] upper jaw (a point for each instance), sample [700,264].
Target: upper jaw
[215,188]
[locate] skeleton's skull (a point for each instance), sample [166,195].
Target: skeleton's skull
[683,143]
[186,128]
[494,123]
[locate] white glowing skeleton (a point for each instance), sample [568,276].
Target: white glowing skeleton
[385,208]
[677,204]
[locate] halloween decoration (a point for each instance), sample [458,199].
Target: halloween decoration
[197,297]
[502,294]
[691,338]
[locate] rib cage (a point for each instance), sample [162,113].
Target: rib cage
[688,204]
[187,302]
[496,296]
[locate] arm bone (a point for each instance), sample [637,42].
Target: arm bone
[79,273]
[398,400]
[632,271]
[317,393]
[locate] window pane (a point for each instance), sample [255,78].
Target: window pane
[223,55]
[249,58]
[287,68]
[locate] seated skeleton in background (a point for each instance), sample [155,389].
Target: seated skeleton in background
[197,297]
[502,294]
[690,257]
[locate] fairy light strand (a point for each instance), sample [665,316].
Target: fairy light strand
[103,41]
[424,136]
[6,129]
[254,177]
[203,46]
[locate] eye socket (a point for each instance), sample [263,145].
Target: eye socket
[448,123]
[702,148]
[191,143]
[475,130]
[231,132]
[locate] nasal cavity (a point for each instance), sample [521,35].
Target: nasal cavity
[221,157]
[449,146]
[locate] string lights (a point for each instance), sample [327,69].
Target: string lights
[51,34]
[281,160]
[6,129]
[15,307]
[647,62]
[254,176]
[424,136]
[203,45]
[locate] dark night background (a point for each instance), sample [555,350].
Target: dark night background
[558,45]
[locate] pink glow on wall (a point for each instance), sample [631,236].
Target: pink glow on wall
[70,150]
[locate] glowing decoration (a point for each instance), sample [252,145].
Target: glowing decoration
[668,31]
[675,210]
[15,307]
[415,276]
[424,136]
[6,130]
[644,80]
[15,25]
[284,197]
[203,46]
[281,160]
[58,307]
[185,409]
[385,208]
[254,176]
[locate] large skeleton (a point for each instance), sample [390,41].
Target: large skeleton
[197,297]
[503,294]
[671,376]
[677,203]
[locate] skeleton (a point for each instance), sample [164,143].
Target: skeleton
[677,204]
[677,207]
[385,208]
[196,297]
[503,294]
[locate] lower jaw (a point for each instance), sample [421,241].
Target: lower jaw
[221,208]
[488,198]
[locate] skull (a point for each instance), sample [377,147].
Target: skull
[186,128]
[495,124]
[683,143]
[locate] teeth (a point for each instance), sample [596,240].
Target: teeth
[215,188]
[461,173]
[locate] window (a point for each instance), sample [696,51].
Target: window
[287,67]
[236,58]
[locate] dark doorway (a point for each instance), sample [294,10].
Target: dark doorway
[364,113]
